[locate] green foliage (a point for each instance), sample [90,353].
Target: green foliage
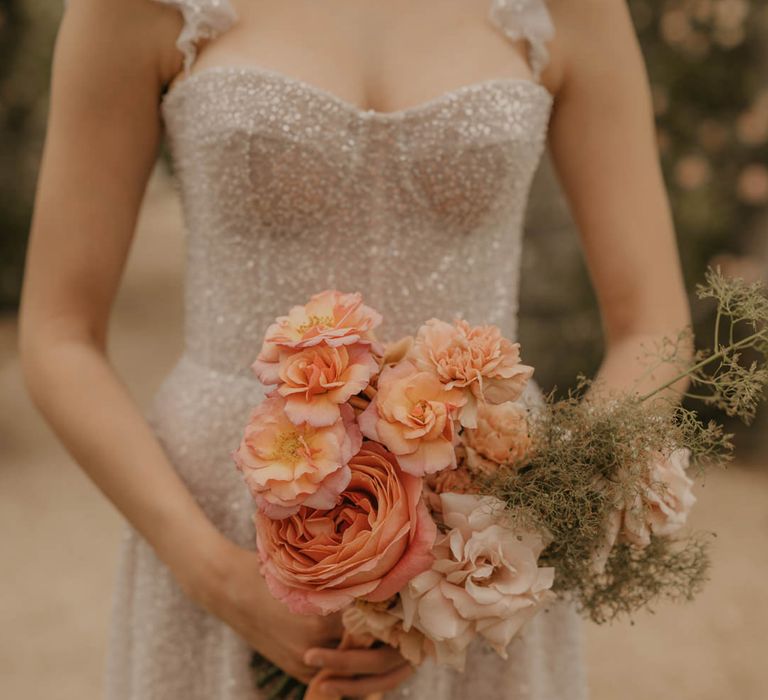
[592,454]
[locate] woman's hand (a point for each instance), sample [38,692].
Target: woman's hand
[232,588]
[358,672]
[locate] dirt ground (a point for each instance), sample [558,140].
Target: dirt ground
[59,535]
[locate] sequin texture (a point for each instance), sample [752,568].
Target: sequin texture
[288,190]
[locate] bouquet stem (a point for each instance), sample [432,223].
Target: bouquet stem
[348,641]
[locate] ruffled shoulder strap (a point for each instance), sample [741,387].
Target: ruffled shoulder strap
[203,19]
[529,20]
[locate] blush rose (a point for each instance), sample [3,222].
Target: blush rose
[285,465]
[413,415]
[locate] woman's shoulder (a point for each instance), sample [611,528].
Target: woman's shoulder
[139,31]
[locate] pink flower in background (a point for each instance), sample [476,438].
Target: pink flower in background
[285,465]
[478,360]
[485,581]
[369,545]
[413,415]
[660,507]
[501,437]
[330,317]
[316,380]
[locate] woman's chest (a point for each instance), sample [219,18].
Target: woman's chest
[288,155]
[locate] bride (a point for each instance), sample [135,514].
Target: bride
[385,147]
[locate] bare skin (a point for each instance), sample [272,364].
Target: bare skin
[112,61]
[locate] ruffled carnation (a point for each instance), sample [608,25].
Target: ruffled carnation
[285,465]
[377,538]
[413,415]
[478,360]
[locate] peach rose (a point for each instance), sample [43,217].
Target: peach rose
[485,581]
[316,380]
[501,437]
[413,415]
[660,507]
[476,359]
[376,539]
[330,317]
[286,466]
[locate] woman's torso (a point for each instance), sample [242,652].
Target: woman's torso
[291,183]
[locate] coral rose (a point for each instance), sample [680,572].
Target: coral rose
[501,437]
[285,465]
[330,317]
[485,581]
[316,380]
[476,359]
[376,539]
[413,415]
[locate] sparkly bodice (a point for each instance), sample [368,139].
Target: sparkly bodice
[288,190]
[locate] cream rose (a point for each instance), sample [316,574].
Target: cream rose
[485,581]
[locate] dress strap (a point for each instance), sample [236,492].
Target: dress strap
[203,19]
[529,20]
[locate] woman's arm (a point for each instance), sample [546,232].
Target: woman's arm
[101,145]
[604,148]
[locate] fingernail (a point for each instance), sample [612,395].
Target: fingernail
[312,658]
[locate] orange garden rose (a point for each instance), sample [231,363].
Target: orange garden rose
[285,465]
[369,545]
[332,318]
[413,414]
[478,360]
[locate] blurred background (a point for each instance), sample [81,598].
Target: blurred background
[708,63]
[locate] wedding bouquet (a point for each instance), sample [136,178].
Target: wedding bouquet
[414,487]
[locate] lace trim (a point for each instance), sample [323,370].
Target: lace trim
[203,19]
[529,20]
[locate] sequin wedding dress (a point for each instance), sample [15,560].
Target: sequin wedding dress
[288,190]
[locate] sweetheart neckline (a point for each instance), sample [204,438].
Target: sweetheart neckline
[357,111]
